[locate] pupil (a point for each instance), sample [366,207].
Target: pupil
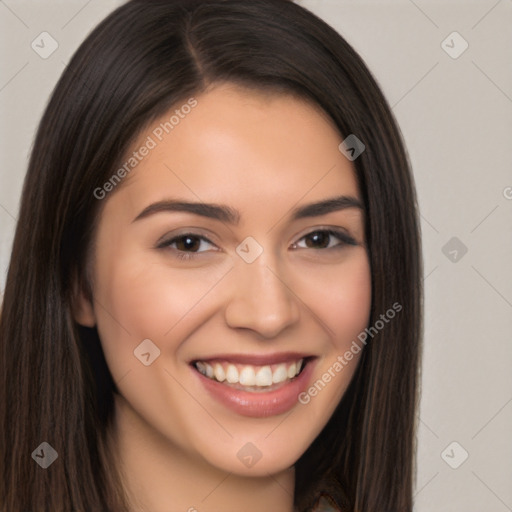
[189,242]
[319,236]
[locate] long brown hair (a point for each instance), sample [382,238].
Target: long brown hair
[145,57]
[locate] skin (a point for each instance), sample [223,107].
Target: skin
[177,446]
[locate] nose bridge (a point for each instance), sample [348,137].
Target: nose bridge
[261,299]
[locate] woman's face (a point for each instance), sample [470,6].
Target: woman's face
[241,285]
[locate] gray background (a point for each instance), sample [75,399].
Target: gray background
[455,115]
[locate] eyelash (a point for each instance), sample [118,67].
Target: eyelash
[184,255]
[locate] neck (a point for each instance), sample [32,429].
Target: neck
[160,476]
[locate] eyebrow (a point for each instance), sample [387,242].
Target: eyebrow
[229,215]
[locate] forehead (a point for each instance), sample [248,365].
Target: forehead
[237,145]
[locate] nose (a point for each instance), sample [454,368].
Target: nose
[261,299]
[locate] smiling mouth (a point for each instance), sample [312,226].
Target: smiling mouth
[252,378]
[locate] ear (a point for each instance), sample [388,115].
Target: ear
[82,305]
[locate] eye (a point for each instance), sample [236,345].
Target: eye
[187,245]
[323,238]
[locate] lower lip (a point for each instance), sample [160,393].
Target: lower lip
[263,403]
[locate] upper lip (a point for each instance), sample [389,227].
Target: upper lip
[255,359]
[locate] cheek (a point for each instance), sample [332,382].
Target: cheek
[139,298]
[354,302]
[342,300]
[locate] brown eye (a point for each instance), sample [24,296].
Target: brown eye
[186,245]
[321,239]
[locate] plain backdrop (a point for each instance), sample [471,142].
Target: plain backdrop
[446,70]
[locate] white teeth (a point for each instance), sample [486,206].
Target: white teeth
[292,371]
[280,374]
[248,375]
[232,374]
[219,373]
[201,367]
[209,370]
[264,376]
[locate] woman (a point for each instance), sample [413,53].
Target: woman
[214,295]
